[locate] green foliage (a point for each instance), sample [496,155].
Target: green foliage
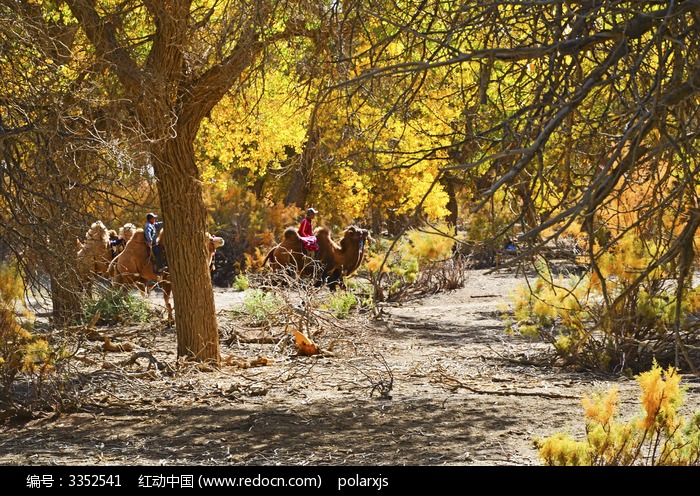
[363,291]
[341,303]
[390,275]
[658,436]
[116,306]
[241,282]
[405,268]
[260,307]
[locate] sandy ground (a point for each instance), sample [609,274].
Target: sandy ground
[432,382]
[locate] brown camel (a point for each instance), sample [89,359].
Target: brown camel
[127,231]
[133,266]
[94,255]
[335,261]
[100,247]
[118,240]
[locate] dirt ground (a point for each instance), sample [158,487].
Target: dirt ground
[431,382]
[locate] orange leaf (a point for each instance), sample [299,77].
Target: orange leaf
[304,345]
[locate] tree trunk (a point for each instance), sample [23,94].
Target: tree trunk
[301,182]
[65,300]
[448,183]
[184,215]
[60,262]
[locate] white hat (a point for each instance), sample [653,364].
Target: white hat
[311,210]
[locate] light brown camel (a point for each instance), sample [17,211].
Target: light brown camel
[133,266]
[335,260]
[100,247]
[118,240]
[127,231]
[94,255]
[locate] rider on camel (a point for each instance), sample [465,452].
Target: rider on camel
[150,233]
[306,232]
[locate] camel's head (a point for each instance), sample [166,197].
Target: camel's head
[98,233]
[215,242]
[357,234]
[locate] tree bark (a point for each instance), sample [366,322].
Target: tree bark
[448,183]
[303,176]
[184,215]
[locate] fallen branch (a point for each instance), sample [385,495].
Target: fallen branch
[455,384]
[144,354]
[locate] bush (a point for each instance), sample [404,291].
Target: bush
[420,262]
[20,351]
[606,321]
[659,436]
[341,303]
[241,283]
[260,307]
[116,306]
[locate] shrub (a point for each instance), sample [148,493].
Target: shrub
[20,350]
[659,436]
[604,322]
[260,307]
[241,283]
[116,306]
[420,262]
[340,304]
[11,288]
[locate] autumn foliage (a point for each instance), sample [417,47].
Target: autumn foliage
[658,436]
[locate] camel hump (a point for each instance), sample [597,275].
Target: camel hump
[322,232]
[138,236]
[291,233]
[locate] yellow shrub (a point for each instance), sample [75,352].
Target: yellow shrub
[659,437]
[430,246]
[20,351]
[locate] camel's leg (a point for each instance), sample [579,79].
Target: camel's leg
[335,280]
[168,306]
[169,309]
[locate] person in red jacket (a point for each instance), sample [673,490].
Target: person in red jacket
[306,232]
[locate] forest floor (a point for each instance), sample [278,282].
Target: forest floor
[432,381]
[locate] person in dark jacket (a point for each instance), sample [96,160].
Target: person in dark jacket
[150,234]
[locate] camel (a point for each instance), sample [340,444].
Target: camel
[100,247]
[94,255]
[118,240]
[133,267]
[335,260]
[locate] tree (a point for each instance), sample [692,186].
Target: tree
[582,113]
[53,179]
[173,62]
[566,99]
